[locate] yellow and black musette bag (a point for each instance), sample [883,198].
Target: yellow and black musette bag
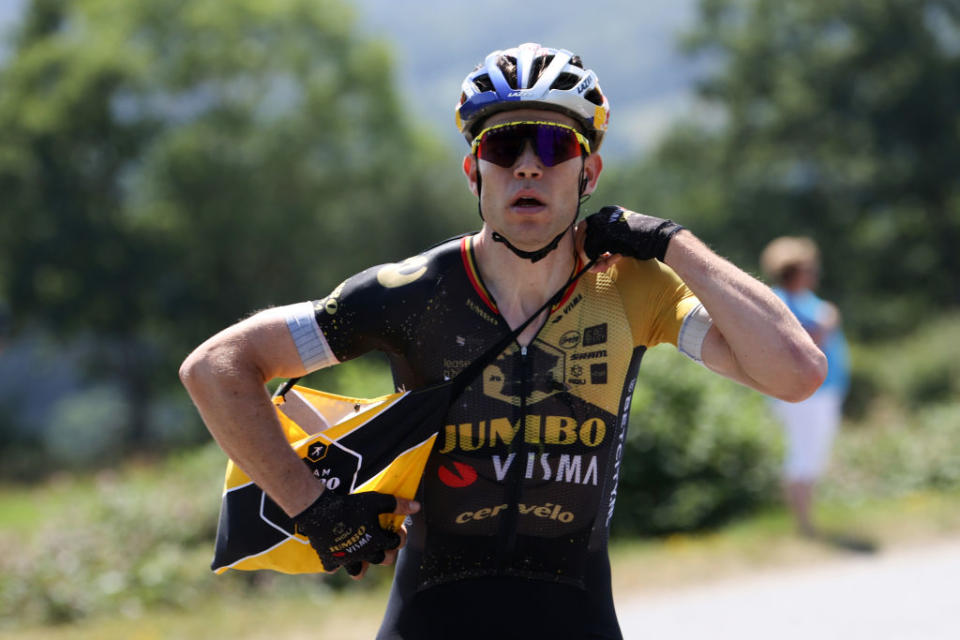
[352,444]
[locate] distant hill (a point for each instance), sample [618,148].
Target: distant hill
[630,44]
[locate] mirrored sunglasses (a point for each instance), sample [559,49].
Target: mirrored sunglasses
[553,142]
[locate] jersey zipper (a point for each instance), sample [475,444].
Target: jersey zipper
[507,534]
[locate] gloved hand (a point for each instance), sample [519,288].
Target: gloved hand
[345,530]
[630,234]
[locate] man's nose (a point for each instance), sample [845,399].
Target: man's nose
[528,164]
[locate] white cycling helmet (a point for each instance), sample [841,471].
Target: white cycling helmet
[532,76]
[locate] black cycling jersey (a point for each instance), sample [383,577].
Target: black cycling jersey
[518,493]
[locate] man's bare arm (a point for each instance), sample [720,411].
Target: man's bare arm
[225,377]
[754,338]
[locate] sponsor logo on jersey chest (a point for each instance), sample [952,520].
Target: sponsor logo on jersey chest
[548,430]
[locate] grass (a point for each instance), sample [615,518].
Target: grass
[21,508]
[349,616]
[766,541]
[763,542]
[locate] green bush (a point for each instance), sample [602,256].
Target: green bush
[139,539]
[366,377]
[910,452]
[912,372]
[700,450]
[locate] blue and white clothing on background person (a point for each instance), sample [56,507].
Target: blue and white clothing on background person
[811,425]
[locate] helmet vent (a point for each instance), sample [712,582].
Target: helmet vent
[565,81]
[483,83]
[594,96]
[508,65]
[539,64]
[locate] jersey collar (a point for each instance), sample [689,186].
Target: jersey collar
[473,274]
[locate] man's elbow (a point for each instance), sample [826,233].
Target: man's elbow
[192,370]
[204,366]
[809,372]
[220,361]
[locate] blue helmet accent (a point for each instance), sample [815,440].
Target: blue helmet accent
[539,78]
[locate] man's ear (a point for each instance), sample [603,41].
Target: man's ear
[470,169]
[592,167]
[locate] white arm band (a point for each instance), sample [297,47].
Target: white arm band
[692,332]
[314,351]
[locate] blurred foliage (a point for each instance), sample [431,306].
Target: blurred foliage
[837,120]
[129,542]
[912,372]
[368,376]
[904,407]
[700,450]
[901,454]
[169,167]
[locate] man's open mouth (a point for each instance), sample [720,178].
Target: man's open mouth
[527,202]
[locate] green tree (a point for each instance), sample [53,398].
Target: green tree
[838,120]
[167,167]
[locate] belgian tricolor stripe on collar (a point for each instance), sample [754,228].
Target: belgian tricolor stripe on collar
[473,274]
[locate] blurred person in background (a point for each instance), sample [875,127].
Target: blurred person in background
[793,265]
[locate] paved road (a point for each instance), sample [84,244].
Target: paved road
[896,595]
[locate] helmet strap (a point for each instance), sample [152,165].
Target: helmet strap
[542,252]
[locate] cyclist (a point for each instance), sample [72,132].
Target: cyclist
[508,535]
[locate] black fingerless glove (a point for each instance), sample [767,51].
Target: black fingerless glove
[630,234]
[345,530]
